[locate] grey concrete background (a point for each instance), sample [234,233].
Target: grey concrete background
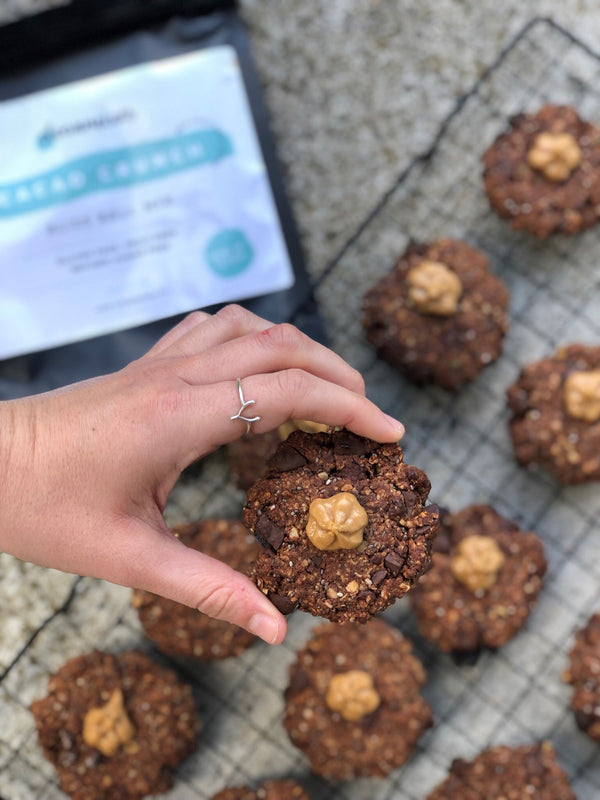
[356,89]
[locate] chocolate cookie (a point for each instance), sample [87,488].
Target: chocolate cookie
[485,579]
[543,173]
[584,674]
[353,704]
[344,524]
[556,410]
[115,726]
[270,790]
[183,631]
[440,315]
[506,772]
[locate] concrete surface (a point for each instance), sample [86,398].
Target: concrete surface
[357,88]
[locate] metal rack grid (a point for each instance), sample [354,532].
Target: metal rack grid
[512,696]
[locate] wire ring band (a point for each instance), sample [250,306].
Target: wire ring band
[244,405]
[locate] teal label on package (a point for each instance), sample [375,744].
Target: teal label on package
[114,169]
[229,252]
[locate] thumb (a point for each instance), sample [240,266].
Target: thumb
[170,569]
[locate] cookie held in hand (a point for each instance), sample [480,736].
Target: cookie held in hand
[344,524]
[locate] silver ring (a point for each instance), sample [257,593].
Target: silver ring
[243,407]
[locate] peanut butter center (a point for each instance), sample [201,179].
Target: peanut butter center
[337,522]
[476,562]
[582,395]
[352,694]
[555,155]
[108,727]
[433,288]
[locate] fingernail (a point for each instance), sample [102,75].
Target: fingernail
[399,427]
[264,626]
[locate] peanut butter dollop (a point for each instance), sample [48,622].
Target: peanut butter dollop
[555,155]
[352,694]
[108,727]
[336,522]
[476,562]
[433,288]
[582,395]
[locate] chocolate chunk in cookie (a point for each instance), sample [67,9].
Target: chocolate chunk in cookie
[485,579]
[248,455]
[503,772]
[555,422]
[356,531]
[116,726]
[353,703]
[543,172]
[183,631]
[439,316]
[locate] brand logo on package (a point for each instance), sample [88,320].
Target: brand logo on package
[114,169]
[229,253]
[51,133]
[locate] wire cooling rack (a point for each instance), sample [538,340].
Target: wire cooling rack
[513,696]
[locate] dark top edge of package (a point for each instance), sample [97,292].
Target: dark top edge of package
[54,32]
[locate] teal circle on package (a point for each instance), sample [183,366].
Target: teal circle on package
[229,253]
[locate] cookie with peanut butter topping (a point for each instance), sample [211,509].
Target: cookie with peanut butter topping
[440,315]
[344,523]
[116,726]
[485,579]
[353,703]
[543,172]
[555,423]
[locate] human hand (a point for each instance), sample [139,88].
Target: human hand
[86,470]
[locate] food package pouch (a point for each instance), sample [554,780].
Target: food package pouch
[138,181]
